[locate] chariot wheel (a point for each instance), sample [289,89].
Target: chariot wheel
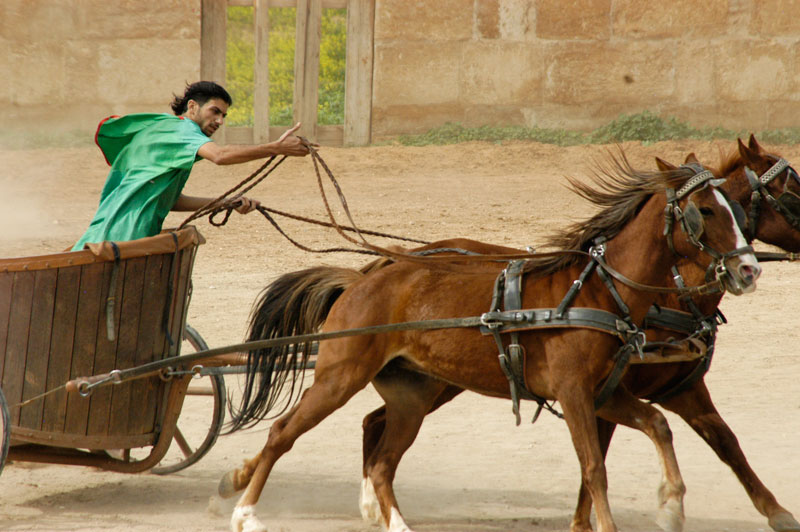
[5,430]
[204,406]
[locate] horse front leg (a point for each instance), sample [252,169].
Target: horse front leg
[697,409]
[625,409]
[576,402]
[581,521]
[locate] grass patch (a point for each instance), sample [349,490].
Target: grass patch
[645,127]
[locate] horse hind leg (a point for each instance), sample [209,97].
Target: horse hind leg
[331,389]
[697,409]
[388,433]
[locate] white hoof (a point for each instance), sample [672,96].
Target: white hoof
[244,520]
[670,516]
[368,503]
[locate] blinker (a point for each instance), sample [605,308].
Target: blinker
[693,221]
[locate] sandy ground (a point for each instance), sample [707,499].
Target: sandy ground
[470,469]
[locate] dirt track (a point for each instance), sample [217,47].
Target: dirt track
[470,469]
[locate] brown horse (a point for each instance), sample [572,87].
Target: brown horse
[676,386]
[566,364]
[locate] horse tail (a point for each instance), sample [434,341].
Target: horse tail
[294,304]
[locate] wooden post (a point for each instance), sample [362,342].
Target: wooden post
[358,72]
[213,45]
[306,65]
[261,74]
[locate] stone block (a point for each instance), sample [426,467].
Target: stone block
[754,71]
[487,19]
[422,20]
[146,70]
[393,120]
[517,20]
[576,19]
[694,72]
[775,18]
[499,73]
[24,21]
[38,73]
[783,114]
[632,73]
[154,19]
[493,115]
[416,73]
[675,19]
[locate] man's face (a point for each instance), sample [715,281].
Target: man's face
[209,116]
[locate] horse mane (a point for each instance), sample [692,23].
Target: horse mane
[620,191]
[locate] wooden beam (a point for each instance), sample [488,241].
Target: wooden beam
[213,45]
[306,65]
[261,72]
[358,72]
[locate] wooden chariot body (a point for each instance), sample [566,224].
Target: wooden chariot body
[74,314]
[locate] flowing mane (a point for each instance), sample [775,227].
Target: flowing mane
[620,191]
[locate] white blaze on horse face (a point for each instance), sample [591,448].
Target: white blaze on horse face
[741,241]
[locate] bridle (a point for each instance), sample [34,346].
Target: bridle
[691,220]
[787,204]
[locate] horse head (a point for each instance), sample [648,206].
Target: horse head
[701,225]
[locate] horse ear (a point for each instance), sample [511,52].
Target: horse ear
[748,155]
[664,166]
[691,158]
[753,144]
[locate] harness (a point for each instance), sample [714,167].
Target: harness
[788,203]
[511,319]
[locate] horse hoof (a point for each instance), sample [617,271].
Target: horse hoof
[784,522]
[244,520]
[670,516]
[227,488]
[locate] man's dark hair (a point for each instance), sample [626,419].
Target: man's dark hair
[201,92]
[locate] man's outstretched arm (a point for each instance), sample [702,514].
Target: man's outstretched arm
[288,144]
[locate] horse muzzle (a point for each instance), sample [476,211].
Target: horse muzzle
[740,274]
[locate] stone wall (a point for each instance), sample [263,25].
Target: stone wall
[69,63]
[581,63]
[551,63]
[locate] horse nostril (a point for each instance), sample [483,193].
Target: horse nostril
[749,272]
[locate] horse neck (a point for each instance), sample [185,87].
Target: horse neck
[641,253]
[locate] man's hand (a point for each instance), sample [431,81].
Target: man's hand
[289,144]
[244,205]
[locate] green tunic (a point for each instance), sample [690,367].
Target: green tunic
[151,156]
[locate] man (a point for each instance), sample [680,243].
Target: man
[152,155]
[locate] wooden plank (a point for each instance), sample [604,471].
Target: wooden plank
[181,298]
[358,72]
[105,355]
[330,135]
[150,325]
[61,345]
[41,328]
[17,343]
[261,73]
[85,344]
[213,46]
[130,302]
[306,65]
[6,284]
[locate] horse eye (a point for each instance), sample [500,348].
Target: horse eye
[706,211]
